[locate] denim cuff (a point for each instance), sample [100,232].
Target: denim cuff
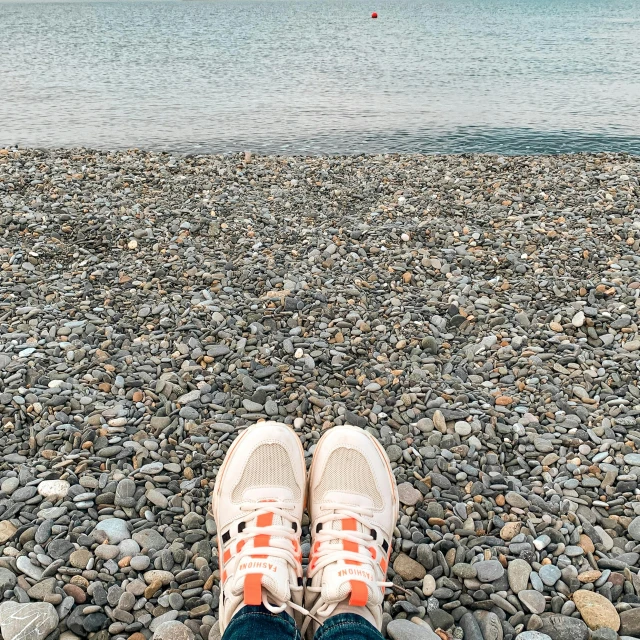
[347,625]
[258,623]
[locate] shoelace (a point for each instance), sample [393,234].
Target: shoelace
[281,545]
[327,552]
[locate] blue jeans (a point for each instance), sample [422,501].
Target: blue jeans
[257,623]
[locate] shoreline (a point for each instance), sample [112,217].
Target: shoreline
[257,154]
[479,314]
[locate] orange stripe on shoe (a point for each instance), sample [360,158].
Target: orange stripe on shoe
[253,581]
[264,520]
[350,524]
[253,589]
[359,593]
[226,556]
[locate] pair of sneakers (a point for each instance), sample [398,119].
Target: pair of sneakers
[259,498]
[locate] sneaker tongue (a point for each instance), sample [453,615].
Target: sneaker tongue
[344,580]
[273,573]
[337,579]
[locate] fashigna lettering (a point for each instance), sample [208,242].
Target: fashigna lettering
[256,564]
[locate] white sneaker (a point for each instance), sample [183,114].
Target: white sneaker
[353,507]
[257,505]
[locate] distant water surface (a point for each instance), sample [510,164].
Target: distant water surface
[320,76]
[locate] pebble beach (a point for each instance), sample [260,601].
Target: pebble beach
[478,314]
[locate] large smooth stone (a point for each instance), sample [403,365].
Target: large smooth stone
[409,495]
[559,627]
[408,569]
[518,573]
[630,623]
[156,623]
[7,531]
[550,574]
[634,527]
[489,624]
[150,539]
[116,530]
[24,565]
[489,570]
[470,627]
[405,630]
[533,600]
[173,630]
[8,580]
[596,610]
[54,489]
[27,621]
[157,575]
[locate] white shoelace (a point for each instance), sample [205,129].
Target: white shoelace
[328,552]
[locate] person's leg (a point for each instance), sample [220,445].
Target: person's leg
[347,626]
[257,505]
[353,508]
[257,623]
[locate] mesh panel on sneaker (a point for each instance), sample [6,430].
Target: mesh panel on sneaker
[268,466]
[348,470]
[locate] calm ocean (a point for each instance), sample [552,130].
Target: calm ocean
[321,76]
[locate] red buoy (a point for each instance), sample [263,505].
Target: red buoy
[374,15]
